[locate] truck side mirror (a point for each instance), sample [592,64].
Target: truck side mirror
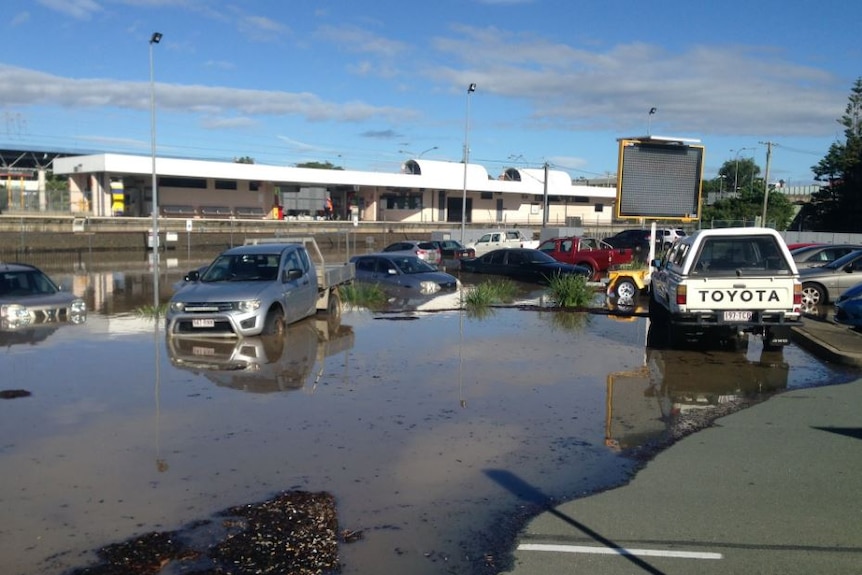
[292,274]
[192,276]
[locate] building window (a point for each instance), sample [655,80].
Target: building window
[403,201]
[487,195]
[599,208]
[192,183]
[582,200]
[225,184]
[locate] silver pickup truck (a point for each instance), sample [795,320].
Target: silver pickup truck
[727,282]
[257,289]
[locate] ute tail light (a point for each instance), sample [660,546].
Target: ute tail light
[681,295]
[797,294]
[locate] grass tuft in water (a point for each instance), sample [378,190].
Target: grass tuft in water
[361,294]
[570,290]
[490,292]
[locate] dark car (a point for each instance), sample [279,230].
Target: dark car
[821,254]
[453,249]
[636,240]
[29,297]
[521,264]
[405,272]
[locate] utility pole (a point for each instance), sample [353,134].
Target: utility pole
[545,199]
[766,180]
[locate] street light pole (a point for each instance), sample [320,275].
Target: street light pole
[154,39]
[652,112]
[470,89]
[766,182]
[426,151]
[736,169]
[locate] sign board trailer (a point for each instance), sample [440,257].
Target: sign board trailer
[659,178]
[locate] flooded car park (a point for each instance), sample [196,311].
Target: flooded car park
[404,415]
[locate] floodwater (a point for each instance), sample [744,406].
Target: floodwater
[409,419]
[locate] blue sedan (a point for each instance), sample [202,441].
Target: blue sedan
[848,307]
[522,264]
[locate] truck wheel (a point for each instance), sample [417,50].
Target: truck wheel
[657,313]
[626,289]
[274,324]
[813,294]
[333,307]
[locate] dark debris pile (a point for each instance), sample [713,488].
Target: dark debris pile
[294,533]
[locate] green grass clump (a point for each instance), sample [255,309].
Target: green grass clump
[361,294]
[570,290]
[490,292]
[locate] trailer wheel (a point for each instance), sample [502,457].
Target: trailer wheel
[626,289]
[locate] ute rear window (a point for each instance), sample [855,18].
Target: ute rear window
[740,256]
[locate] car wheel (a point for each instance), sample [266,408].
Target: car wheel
[813,294]
[626,289]
[333,307]
[590,268]
[274,324]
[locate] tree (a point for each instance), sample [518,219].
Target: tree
[838,205]
[319,166]
[746,205]
[244,160]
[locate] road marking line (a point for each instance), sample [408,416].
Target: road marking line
[618,551]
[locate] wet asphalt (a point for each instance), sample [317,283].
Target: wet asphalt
[770,489]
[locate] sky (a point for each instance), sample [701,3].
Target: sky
[366,85]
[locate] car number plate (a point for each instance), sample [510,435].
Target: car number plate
[738,315]
[203,323]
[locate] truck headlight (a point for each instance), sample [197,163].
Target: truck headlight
[178,306]
[248,305]
[78,306]
[428,287]
[14,312]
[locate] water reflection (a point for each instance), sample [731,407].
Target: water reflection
[647,403]
[264,364]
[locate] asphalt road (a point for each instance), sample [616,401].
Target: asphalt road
[771,489]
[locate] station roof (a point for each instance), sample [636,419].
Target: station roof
[415,174]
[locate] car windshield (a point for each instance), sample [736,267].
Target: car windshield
[412,265]
[537,257]
[246,267]
[844,260]
[24,283]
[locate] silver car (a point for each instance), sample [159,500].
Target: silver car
[403,272]
[247,290]
[821,285]
[820,255]
[29,297]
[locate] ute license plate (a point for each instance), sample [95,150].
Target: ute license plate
[738,315]
[203,323]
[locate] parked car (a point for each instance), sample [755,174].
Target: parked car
[521,264]
[635,240]
[593,254]
[821,254]
[453,249]
[496,239]
[667,236]
[257,289]
[798,245]
[848,307]
[406,272]
[427,251]
[29,297]
[823,284]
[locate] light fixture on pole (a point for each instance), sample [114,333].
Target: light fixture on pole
[154,39]
[470,89]
[652,112]
[426,151]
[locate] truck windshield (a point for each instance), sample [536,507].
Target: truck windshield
[256,267]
